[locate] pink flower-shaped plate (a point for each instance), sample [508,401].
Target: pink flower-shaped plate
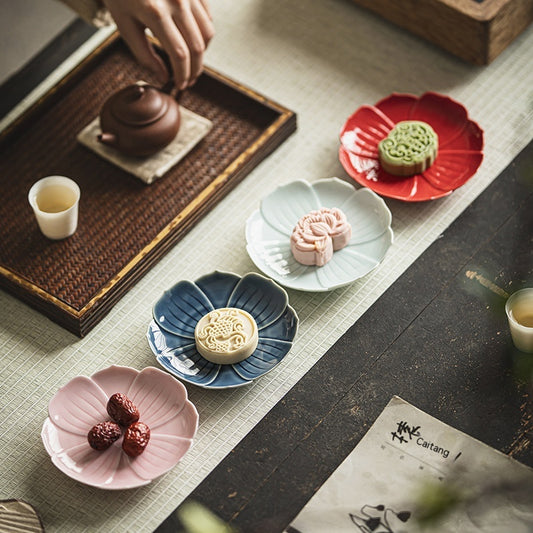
[81,403]
[459,155]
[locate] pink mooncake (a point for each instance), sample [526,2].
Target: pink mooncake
[318,234]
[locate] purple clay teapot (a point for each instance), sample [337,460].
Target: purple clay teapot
[139,120]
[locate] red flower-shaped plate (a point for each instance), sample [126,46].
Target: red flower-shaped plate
[459,155]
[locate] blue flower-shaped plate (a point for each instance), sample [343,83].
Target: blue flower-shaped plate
[268,232]
[175,315]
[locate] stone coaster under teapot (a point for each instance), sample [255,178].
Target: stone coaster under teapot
[142,120]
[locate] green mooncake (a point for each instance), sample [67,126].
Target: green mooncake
[410,148]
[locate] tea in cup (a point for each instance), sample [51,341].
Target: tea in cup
[54,201]
[519,309]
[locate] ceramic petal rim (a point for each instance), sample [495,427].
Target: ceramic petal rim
[459,135]
[63,457]
[311,278]
[223,376]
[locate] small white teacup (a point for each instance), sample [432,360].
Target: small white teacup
[54,201]
[519,309]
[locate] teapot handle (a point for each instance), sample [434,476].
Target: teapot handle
[169,87]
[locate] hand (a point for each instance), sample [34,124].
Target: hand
[183,27]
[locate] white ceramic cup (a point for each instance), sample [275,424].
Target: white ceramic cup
[519,309]
[54,201]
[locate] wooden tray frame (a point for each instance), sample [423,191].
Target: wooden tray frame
[474,30]
[81,320]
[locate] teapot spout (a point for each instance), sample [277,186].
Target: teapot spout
[107,138]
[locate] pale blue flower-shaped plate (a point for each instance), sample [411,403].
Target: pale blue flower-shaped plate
[175,315]
[268,232]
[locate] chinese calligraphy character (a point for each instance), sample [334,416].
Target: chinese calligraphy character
[403,428]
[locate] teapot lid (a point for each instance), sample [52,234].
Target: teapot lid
[139,105]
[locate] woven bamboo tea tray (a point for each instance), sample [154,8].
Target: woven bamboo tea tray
[124,226]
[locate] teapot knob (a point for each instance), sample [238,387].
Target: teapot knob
[139,90]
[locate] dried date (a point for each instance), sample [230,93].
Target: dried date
[103,435]
[122,410]
[136,439]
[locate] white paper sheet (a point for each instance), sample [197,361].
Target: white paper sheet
[406,453]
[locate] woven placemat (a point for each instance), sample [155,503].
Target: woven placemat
[124,225]
[193,128]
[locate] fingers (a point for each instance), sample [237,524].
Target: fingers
[204,20]
[183,27]
[196,28]
[173,43]
[205,5]
[192,29]
[132,32]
